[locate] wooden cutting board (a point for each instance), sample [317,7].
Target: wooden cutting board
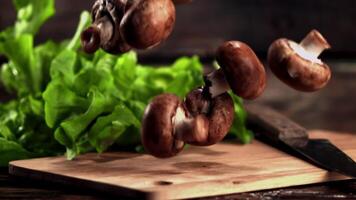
[221,169]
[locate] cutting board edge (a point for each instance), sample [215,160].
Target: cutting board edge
[230,189]
[23,172]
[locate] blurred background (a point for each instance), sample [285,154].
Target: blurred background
[204,24]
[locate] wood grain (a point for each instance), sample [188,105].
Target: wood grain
[225,168]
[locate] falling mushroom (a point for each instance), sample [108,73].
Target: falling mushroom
[166,126]
[105,30]
[298,65]
[219,111]
[148,22]
[207,113]
[158,126]
[120,25]
[241,70]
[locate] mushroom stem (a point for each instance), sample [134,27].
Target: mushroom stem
[216,83]
[314,43]
[99,33]
[90,39]
[190,129]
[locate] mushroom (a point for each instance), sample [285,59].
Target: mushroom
[218,113]
[148,22]
[120,25]
[158,126]
[168,123]
[207,113]
[105,30]
[298,65]
[166,126]
[241,70]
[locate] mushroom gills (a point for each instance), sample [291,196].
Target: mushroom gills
[298,65]
[309,49]
[106,28]
[190,129]
[217,83]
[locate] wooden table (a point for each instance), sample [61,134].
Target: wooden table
[333,108]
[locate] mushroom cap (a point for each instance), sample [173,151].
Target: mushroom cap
[220,114]
[148,22]
[157,132]
[296,70]
[243,70]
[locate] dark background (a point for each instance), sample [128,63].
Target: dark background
[204,24]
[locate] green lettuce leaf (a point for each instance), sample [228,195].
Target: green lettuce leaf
[238,128]
[10,151]
[108,129]
[31,14]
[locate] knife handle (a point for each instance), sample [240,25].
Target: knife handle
[275,126]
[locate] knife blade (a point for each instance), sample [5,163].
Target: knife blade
[277,129]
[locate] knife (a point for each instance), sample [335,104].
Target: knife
[276,129]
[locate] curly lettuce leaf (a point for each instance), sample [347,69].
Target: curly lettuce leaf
[107,129]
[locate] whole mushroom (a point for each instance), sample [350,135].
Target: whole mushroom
[105,31]
[168,123]
[164,122]
[298,65]
[218,111]
[158,136]
[120,25]
[241,71]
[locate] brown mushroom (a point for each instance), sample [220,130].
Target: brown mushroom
[158,127]
[166,126]
[193,130]
[218,114]
[148,22]
[168,123]
[298,65]
[104,32]
[241,70]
